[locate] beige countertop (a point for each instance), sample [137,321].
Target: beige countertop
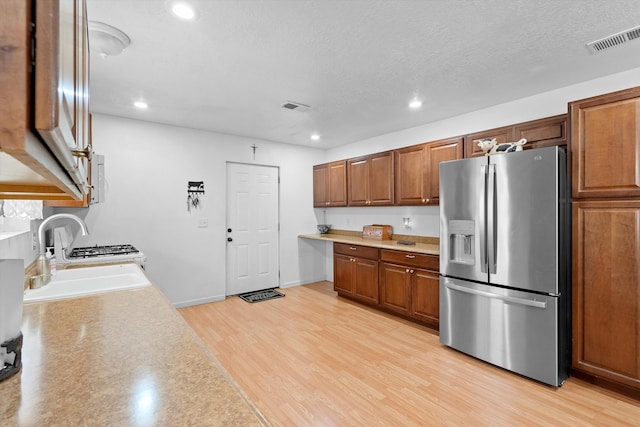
[119,358]
[425,245]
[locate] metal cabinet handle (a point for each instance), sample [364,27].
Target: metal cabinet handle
[353,248]
[411,271]
[515,300]
[407,270]
[410,256]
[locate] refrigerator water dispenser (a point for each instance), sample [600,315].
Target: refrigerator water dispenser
[462,238]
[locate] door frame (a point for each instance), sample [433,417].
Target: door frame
[226,219]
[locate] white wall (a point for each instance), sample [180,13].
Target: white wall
[148,166]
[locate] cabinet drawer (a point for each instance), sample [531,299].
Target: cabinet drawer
[429,262]
[356,250]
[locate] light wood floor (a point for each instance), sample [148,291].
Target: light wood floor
[314,359]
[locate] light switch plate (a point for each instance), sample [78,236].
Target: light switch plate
[203,223]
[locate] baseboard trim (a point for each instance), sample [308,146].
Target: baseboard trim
[198,301]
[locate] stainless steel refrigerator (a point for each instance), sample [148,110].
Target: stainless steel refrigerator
[505,261]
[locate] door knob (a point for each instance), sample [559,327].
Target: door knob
[229,239]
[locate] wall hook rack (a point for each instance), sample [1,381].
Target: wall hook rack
[194,189]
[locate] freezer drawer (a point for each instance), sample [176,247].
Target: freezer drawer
[515,330]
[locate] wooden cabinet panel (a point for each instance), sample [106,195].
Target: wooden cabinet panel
[606,290]
[320,185]
[439,151]
[343,273]
[370,180]
[425,295]
[337,183]
[330,184]
[358,173]
[366,280]
[395,288]
[605,145]
[381,181]
[546,132]
[411,163]
[501,135]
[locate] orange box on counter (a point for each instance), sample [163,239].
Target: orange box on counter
[377,232]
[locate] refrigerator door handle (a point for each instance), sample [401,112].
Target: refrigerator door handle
[482,230]
[492,206]
[515,300]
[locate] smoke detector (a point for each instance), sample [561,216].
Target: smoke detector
[290,105]
[614,40]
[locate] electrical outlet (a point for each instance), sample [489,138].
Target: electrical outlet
[203,223]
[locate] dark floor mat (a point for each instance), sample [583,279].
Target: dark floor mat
[263,295]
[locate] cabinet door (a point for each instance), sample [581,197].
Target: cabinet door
[410,175]
[320,187]
[366,280]
[605,145]
[61,83]
[343,274]
[337,183]
[425,295]
[606,290]
[395,287]
[358,182]
[501,135]
[439,151]
[381,179]
[546,132]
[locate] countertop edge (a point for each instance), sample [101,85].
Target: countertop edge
[420,248]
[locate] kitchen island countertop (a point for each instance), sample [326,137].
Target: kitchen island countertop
[429,245]
[119,358]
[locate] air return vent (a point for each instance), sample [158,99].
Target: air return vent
[290,105]
[614,40]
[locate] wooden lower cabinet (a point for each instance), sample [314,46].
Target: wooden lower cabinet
[395,289]
[410,291]
[606,292]
[355,270]
[402,282]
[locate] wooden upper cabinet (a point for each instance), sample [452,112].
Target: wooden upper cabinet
[44,111]
[437,152]
[605,145]
[418,170]
[501,135]
[410,180]
[545,132]
[370,180]
[330,184]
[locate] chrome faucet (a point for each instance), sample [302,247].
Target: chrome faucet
[42,266]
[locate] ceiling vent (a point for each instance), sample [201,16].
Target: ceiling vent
[614,40]
[290,105]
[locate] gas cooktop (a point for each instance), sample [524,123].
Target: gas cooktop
[100,251]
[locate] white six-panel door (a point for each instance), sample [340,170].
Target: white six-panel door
[252,228]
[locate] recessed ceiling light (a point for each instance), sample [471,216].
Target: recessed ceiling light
[141,105]
[415,104]
[183,10]
[315,137]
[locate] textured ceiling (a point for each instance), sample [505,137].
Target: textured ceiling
[357,63]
